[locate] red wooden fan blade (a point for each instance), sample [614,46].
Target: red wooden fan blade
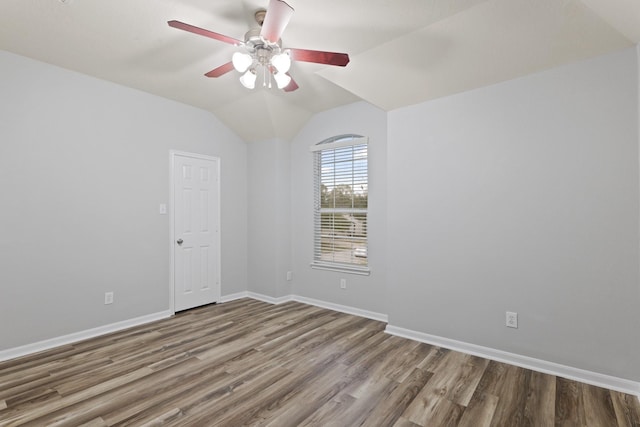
[291,86]
[223,69]
[201,31]
[320,57]
[275,21]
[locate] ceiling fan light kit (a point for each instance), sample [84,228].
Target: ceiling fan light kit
[264,53]
[281,62]
[241,61]
[282,80]
[248,79]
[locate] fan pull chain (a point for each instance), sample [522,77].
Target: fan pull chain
[264,76]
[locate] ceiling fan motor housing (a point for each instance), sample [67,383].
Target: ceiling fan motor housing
[254,42]
[260,49]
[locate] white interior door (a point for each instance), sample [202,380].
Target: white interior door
[196,230]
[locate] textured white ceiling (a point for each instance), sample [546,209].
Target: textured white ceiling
[402,51]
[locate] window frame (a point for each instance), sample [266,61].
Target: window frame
[333,143]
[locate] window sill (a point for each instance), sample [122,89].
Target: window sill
[362,271]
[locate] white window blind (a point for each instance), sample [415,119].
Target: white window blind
[341,193]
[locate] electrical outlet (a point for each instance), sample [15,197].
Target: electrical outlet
[108,297]
[289,276]
[343,283]
[512,319]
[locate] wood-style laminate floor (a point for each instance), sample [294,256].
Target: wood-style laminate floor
[250,363]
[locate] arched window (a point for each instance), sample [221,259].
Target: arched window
[341,199]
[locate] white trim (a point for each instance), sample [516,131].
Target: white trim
[310,301]
[638,135]
[172,231]
[24,350]
[551,368]
[255,296]
[342,268]
[638,106]
[339,144]
[233,297]
[342,308]
[270,300]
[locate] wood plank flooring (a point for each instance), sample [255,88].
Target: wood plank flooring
[250,363]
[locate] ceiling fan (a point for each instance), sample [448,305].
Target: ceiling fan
[264,54]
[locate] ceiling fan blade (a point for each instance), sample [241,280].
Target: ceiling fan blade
[275,21]
[291,86]
[319,57]
[223,69]
[201,31]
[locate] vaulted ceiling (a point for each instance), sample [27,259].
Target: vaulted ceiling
[402,51]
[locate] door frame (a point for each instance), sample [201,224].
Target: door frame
[172,229]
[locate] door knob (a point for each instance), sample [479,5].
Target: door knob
[179,241]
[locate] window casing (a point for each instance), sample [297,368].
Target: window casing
[341,193]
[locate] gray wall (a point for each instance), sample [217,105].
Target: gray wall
[84,164]
[269,218]
[522,196]
[363,292]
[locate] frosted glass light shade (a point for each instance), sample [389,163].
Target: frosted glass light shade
[281,62]
[282,80]
[248,79]
[241,61]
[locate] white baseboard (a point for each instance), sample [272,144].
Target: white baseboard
[270,300]
[551,368]
[342,308]
[256,296]
[594,378]
[233,297]
[318,303]
[581,375]
[12,353]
